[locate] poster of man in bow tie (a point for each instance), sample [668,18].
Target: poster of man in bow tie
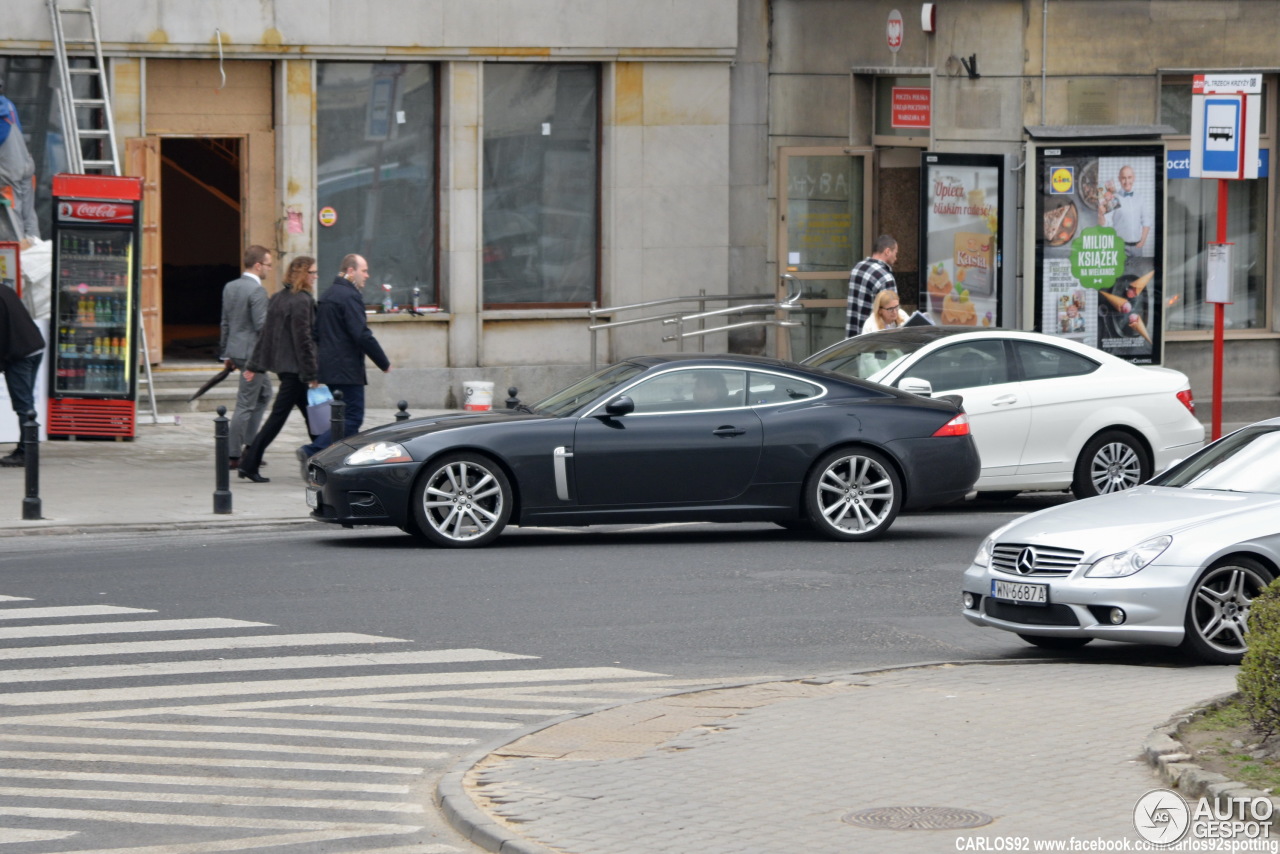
[1128,208]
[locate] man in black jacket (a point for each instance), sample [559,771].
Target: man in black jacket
[21,349]
[343,340]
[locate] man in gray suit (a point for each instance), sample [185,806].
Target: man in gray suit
[244,311]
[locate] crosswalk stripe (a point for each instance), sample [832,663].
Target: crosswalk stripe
[239,800]
[279,732]
[198,761]
[469,710]
[243,665]
[193,645]
[77,629]
[337,683]
[15,599]
[68,611]
[278,840]
[220,782]
[231,821]
[238,746]
[9,835]
[398,720]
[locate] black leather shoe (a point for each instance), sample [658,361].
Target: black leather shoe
[253,476]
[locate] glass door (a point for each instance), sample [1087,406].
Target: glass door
[93,309]
[824,229]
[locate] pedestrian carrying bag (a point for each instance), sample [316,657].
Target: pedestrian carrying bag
[318,408]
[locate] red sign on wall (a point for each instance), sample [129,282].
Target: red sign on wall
[912,107]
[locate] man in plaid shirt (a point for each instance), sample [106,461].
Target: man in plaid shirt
[869,277]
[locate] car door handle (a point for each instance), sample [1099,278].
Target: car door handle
[1005,400]
[728,431]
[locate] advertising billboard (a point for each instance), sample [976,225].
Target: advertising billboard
[1099,247]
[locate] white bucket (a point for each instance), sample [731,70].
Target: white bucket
[477,396]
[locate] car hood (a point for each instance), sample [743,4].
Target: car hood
[1111,523]
[403,431]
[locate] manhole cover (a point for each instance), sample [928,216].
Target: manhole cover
[917,818]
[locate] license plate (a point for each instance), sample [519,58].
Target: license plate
[313,498]
[1017,591]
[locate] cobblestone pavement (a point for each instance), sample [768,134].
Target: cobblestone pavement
[1047,751]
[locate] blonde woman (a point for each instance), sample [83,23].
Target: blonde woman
[886,312]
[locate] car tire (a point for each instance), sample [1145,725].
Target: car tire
[1111,462]
[1056,643]
[1218,609]
[462,501]
[852,494]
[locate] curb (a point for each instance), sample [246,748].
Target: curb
[479,827]
[100,528]
[1165,752]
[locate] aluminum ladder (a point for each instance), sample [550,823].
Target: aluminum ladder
[99,124]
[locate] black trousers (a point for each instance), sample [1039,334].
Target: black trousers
[292,393]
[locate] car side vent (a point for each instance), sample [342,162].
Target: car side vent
[365,505]
[1035,561]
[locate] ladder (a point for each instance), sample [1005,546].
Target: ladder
[84,119]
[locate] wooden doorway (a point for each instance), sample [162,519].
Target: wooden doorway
[200,233]
[209,161]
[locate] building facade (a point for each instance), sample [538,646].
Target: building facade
[505,165]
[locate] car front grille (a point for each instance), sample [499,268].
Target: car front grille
[1030,615]
[1045,561]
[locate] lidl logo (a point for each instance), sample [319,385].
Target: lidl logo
[1062,179]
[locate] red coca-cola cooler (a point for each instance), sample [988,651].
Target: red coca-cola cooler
[93,378]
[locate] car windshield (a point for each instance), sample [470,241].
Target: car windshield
[866,355]
[1246,461]
[587,389]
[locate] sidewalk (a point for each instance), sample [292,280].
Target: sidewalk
[163,479]
[933,758]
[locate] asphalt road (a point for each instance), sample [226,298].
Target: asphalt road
[307,686]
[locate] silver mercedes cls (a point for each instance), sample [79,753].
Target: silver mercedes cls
[1175,562]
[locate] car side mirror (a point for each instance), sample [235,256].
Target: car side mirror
[915,385]
[620,406]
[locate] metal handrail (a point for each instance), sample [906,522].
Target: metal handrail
[727,326]
[790,303]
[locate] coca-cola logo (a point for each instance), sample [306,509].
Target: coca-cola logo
[95,212]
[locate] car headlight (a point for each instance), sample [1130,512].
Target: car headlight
[983,557]
[379,452]
[1129,561]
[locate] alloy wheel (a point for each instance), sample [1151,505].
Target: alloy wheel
[1115,467]
[463,502]
[1219,609]
[856,495]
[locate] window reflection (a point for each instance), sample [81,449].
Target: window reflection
[376,166]
[541,183]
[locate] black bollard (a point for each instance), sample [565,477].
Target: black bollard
[512,400]
[403,414]
[222,474]
[31,454]
[337,418]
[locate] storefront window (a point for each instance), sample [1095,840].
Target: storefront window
[31,83]
[376,176]
[541,183]
[1193,223]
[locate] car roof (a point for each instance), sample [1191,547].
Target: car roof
[724,359]
[922,336]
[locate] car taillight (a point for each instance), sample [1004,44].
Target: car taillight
[958,426]
[1187,400]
